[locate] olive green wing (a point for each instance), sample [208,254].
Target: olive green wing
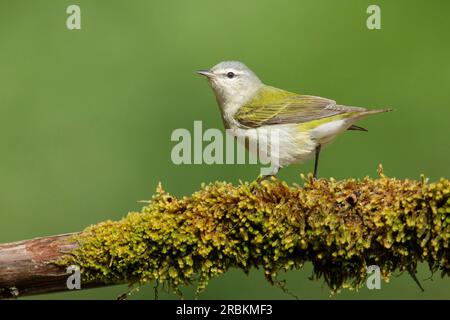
[275,106]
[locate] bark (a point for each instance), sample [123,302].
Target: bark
[26,268]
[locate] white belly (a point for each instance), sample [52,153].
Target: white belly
[326,132]
[278,144]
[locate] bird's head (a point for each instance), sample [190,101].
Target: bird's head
[232,82]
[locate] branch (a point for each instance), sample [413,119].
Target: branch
[26,266]
[341,227]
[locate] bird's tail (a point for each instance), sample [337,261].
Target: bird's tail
[375,111]
[362,112]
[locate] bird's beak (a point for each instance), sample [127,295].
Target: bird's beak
[205,73]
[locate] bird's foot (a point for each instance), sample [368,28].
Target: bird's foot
[263,177]
[312,178]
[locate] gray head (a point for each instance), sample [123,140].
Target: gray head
[232,81]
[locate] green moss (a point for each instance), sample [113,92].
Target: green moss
[340,226]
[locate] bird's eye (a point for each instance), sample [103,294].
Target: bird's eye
[230,75]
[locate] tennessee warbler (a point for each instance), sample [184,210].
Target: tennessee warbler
[306,123]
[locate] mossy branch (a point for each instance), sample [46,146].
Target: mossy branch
[342,227]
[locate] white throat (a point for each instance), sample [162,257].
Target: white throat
[232,99]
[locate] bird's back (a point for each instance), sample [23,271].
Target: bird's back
[272,106]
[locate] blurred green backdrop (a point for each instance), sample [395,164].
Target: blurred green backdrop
[86,115]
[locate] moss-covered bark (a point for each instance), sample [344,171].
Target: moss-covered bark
[340,226]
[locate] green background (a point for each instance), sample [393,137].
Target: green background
[86,115]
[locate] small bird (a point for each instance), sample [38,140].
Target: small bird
[306,123]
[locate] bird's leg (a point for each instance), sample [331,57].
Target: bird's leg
[316,161]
